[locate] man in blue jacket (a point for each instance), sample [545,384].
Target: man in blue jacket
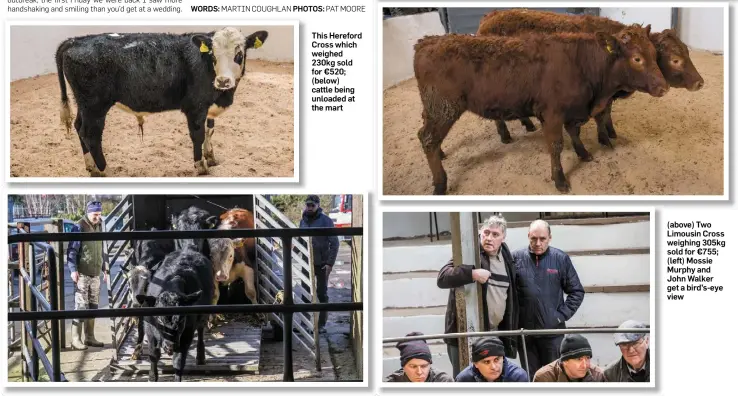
[490,364]
[544,274]
[325,250]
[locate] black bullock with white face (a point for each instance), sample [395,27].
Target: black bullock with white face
[144,73]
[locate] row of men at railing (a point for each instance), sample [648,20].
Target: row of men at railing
[519,289]
[489,363]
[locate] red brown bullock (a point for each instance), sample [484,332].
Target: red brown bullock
[244,251]
[562,78]
[672,54]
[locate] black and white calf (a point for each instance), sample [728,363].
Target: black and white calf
[185,278]
[149,256]
[143,73]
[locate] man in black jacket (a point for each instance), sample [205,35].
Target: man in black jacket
[544,274]
[499,293]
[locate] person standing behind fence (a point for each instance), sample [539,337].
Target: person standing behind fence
[499,294]
[544,275]
[85,261]
[634,364]
[489,364]
[325,251]
[416,361]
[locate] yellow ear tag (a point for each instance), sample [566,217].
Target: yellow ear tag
[204,48]
[609,49]
[257,43]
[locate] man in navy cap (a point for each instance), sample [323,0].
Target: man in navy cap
[416,363]
[633,365]
[85,261]
[325,250]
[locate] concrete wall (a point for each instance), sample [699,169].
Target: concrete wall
[399,35]
[702,28]
[415,224]
[32,48]
[658,17]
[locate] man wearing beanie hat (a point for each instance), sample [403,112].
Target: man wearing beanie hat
[416,361]
[325,251]
[489,364]
[497,280]
[634,364]
[85,261]
[573,365]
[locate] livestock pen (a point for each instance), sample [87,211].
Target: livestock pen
[669,146]
[238,349]
[254,138]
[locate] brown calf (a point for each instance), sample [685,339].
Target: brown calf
[672,55]
[561,78]
[244,251]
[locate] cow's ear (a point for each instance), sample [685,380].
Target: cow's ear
[212,221]
[648,30]
[607,42]
[192,298]
[204,43]
[256,39]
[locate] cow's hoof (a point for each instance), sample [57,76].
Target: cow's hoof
[530,128]
[506,140]
[97,173]
[201,167]
[439,190]
[89,163]
[211,161]
[443,155]
[563,186]
[605,141]
[586,157]
[611,134]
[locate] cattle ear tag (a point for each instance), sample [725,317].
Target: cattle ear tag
[204,47]
[257,43]
[609,48]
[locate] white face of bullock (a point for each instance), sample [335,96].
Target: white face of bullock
[227,48]
[229,57]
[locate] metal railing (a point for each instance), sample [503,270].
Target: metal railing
[288,308]
[515,333]
[36,299]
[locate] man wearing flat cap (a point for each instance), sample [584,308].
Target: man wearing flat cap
[489,364]
[85,261]
[573,365]
[416,361]
[634,364]
[325,251]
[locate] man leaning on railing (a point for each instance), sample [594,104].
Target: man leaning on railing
[85,261]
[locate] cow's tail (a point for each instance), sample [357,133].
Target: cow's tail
[65,113]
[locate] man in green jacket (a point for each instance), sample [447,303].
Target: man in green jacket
[85,261]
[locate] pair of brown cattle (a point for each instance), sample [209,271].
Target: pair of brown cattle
[562,69]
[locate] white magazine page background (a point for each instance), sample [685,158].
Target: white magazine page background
[338,153]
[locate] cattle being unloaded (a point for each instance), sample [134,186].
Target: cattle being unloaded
[563,79]
[194,219]
[185,278]
[144,73]
[149,255]
[245,250]
[672,56]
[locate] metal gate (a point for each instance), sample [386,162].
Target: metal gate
[269,274]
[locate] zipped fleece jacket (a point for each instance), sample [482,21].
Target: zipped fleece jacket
[450,277]
[542,281]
